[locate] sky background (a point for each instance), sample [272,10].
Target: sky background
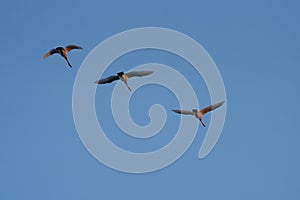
[255,45]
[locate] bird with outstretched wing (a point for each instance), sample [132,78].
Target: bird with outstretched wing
[63,51]
[124,77]
[199,113]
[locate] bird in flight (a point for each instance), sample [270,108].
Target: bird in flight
[199,114]
[63,52]
[124,77]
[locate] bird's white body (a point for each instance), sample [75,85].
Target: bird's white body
[124,78]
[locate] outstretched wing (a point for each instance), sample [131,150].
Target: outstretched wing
[70,47]
[184,112]
[138,73]
[108,79]
[52,51]
[212,107]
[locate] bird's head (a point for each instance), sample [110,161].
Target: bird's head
[60,49]
[120,74]
[195,110]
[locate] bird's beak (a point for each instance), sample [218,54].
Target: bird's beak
[96,82]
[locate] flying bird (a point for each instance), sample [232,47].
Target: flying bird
[199,114]
[124,77]
[63,52]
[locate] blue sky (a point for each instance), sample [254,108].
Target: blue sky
[256,48]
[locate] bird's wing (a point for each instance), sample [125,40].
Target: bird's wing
[70,47]
[185,112]
[108,79]
[138,73]
[212,107]
[52,51]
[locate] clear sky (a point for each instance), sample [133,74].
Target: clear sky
[255,45]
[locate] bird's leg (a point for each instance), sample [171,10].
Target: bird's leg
[202,122]
[127,86]
[66,58]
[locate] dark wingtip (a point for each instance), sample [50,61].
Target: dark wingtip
[220,103]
